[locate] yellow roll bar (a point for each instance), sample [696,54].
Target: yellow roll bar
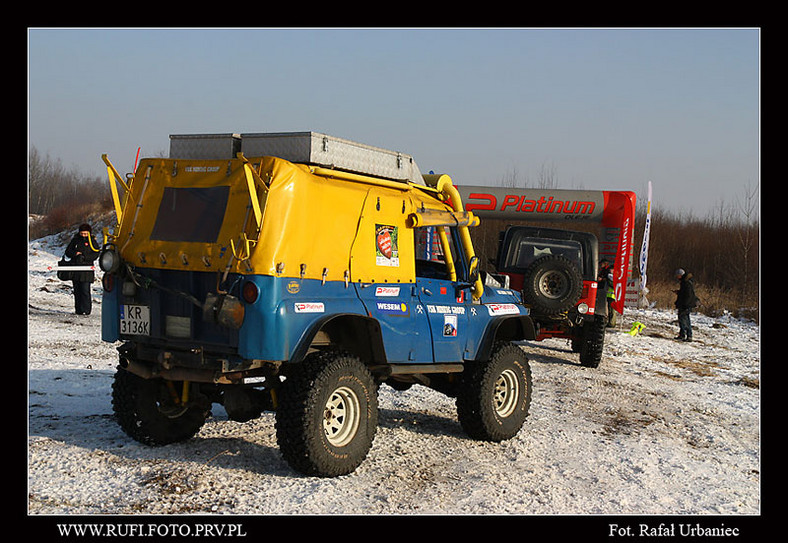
[443,184]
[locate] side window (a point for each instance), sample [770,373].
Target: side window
[431,257]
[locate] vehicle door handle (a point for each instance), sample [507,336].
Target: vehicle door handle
[426,291]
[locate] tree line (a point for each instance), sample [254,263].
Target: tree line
[62,196]
[721,250]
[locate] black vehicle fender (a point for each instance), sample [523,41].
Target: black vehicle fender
[511,328]
[358,334]
[601,301]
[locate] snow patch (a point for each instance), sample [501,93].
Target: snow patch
[661,427]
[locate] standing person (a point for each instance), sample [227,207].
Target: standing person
[685,303]
[82,251]
[605,281]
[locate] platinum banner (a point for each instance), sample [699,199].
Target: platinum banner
[533,204]
[614,211]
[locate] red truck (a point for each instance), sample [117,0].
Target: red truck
[557,270]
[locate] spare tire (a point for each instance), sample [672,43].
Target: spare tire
[552,285]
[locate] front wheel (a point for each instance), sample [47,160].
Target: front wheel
[495,395]
[327,415]
[593,342]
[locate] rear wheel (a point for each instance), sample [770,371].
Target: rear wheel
[152,411]
[495,395]
[328,413]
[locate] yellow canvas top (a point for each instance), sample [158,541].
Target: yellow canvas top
[269,216]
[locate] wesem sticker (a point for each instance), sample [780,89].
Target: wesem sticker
[393,308]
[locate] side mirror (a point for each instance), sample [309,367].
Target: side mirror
[473,270]
[473,275]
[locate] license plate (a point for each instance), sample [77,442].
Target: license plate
[135,320]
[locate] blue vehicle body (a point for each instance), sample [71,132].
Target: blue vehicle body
[426,322]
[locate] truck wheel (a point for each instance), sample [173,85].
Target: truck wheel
[593,342]
[552,284]
[147,412]
[327,414]
[495,395]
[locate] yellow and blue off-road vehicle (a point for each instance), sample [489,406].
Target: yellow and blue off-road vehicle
[297,272]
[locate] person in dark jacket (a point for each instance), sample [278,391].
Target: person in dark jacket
[82,251]
[685,303]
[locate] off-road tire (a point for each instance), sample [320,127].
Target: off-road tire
[552,285]
[593,342]
[495,395]
[146,412]
[327,414]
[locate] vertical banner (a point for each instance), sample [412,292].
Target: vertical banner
[643,262]
[618,225]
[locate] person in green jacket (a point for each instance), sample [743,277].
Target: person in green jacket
[605,281]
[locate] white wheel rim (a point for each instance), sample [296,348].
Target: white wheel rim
[506,393]
[341,417]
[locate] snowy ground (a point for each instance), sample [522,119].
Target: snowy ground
[660,428]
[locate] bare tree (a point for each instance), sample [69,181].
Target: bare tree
[747,231]
[547,178]
[511,178]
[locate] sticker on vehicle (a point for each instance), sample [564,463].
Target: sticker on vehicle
[503,309]
[310,307]
[386,291]
[386,250]
[393,308]
[450,326]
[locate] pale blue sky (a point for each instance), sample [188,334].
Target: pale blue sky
[599,108]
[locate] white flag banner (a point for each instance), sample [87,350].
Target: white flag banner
[643,261]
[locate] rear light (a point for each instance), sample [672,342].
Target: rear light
[250,292]
[108,282]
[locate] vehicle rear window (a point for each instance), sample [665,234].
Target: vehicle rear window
[530,250]
[191,214]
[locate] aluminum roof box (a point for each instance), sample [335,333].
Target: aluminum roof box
[204,146]
[331,152]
